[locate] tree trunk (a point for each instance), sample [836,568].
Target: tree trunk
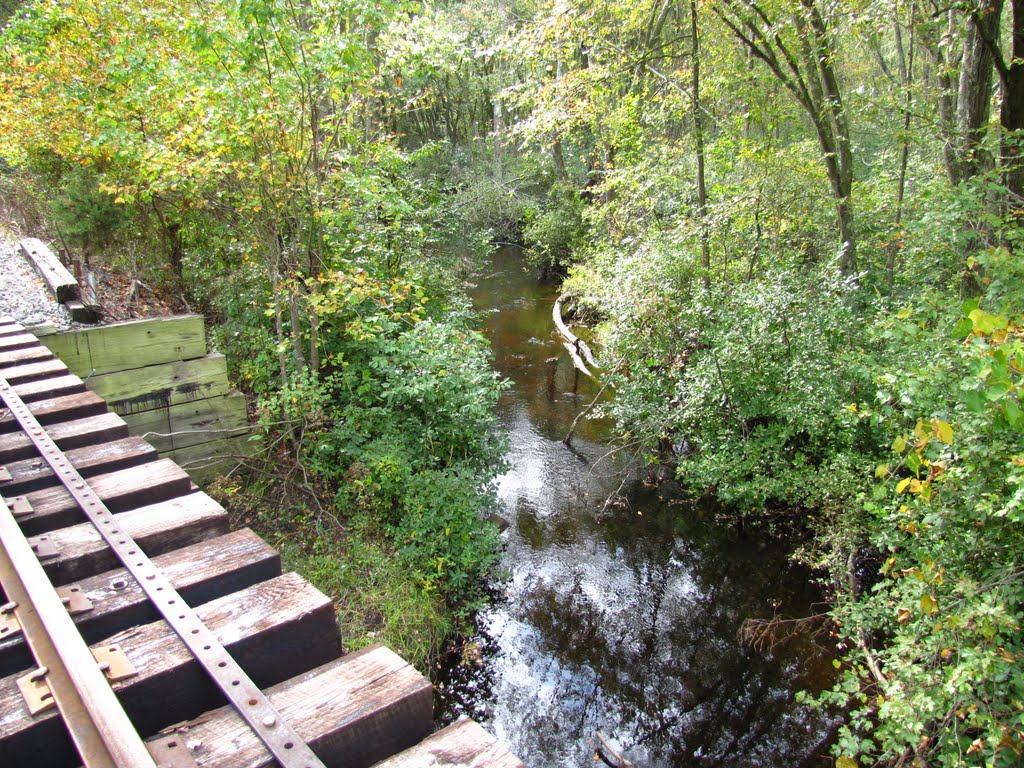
[698,132]
[177,248]
[836,116]
[296,323]
[1011,111]
[559,159]
[811,78]
[974,102]
[906,64]
[275,286]
[939,49]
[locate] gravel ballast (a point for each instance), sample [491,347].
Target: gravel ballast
[24,296]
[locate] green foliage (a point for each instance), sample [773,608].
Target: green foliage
[555,231]
[84,214]
[398,420]
[756,385]
[947,513]
[440,535]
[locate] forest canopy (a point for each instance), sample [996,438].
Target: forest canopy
[796,225]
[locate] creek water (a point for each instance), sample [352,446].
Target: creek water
[620,619]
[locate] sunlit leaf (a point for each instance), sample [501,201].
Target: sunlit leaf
[943,430]
[929,604]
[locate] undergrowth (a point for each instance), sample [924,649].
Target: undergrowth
[374,599]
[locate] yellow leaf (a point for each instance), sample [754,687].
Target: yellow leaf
[845,762]
[929,604]
[899,444]
[901,486]
[943,431]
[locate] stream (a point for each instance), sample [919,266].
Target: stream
[622,619]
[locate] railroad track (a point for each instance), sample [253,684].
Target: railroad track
[138,630]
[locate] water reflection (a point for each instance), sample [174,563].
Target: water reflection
[621,620]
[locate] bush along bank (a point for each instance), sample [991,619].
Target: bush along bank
[382,457]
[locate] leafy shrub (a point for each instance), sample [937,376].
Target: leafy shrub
[399,420]
[556,230]
[946,513]
[753,379]
[85,214]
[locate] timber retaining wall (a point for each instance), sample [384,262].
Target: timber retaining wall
[158,376]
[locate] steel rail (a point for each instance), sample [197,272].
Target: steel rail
[279,737]
[99,727]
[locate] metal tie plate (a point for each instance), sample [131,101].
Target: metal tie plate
[9,624]
[36,691]
[44,547]
[114,663]
[20,506]
[74,599]
[171,752]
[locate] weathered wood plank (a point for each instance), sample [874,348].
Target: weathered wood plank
[11,328]
[186,424]
[19,373]
[275,630]
[60,282]
[83,313]
[121,490]
[463,744]
[43,389]
[159,386]
[201,573]
[35,474]
[53,410]
[135,344]
[205,461]
[22,356]
[156,528]
[17,341]
[353,712]
[68,435]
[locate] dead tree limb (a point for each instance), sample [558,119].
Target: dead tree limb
[608,755]
[576,347]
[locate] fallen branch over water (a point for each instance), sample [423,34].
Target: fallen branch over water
[575,346]
[608,755]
